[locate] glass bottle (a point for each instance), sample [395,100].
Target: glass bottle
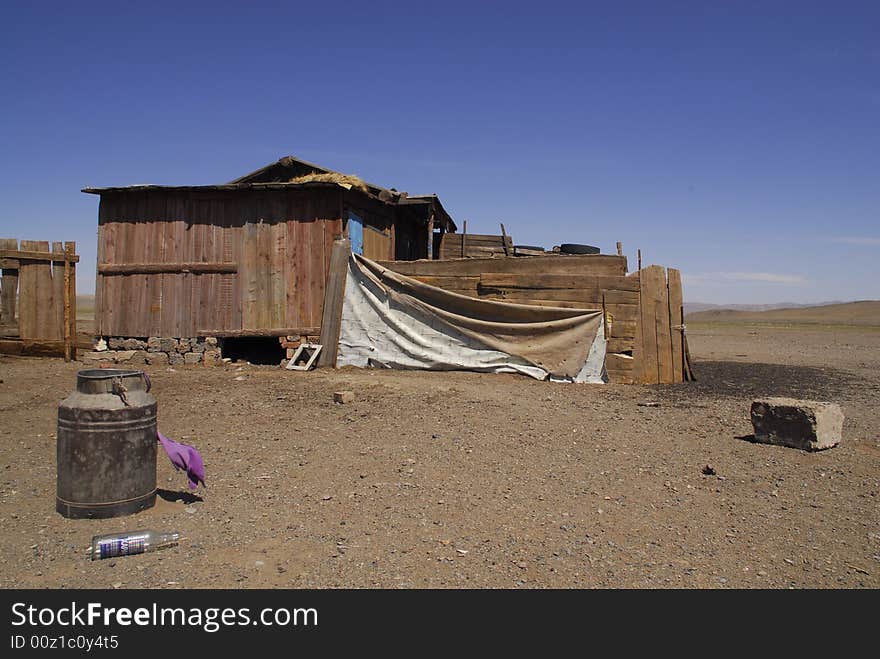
[129,543]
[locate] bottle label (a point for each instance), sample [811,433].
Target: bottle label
[122,546]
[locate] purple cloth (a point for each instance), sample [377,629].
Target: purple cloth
[185,457]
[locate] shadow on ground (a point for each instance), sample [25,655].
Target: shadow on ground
[722,379]
[174,496]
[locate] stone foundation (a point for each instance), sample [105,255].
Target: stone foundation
[154,350]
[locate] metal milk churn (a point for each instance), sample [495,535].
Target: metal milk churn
[106,445]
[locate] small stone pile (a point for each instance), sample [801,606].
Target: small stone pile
[154,350]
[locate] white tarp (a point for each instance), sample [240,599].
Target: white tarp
[392,321]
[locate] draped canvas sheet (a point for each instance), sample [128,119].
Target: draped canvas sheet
[393,321]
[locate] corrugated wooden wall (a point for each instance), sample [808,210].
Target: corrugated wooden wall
[278,242]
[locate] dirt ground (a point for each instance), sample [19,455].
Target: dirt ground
[471,480]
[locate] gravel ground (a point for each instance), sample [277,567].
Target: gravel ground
[472,480]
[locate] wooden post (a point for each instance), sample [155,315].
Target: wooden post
[619,248]
[605,318]
[676,324]
[504,240]
[66,320]
[464,239]
[8,284]
[71,247]
[334,294]
[431,237]
[640,259]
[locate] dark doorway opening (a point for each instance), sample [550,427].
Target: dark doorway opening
[256,350]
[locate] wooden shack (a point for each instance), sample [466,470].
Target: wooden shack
[245,258]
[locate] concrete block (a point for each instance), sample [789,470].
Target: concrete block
[805,424]
[343,396]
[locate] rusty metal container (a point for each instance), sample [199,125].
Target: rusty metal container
[106,445]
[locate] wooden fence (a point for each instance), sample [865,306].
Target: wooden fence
[580,282]
[643,312]
[38,297]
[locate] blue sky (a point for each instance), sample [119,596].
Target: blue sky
[737,141]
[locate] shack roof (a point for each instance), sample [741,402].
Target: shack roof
[283,173]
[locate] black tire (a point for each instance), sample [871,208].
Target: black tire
[574,248]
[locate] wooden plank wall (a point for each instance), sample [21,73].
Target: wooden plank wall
[278,240]
[378,220]
[377,242]
[658,352]
[577,282]
[38,295]
[41,295]
[475,245]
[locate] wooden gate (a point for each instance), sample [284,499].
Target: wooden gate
[38,297]
[660,346]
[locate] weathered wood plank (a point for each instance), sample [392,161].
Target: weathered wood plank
[618,344]
[331,320]
[664,338]
[170,268]
[586,295]
[269,331]
[626,329]
[278,315]
[70,347]
[8,286]
[262,268]
[653,279]
[623,312]
[620,377]
[55,315]
[618,362]
[592,264]
[621,297]
[450,282]
[676,324]
[34,254]
[250,283]
[561,304]
[35,291]
[552,281]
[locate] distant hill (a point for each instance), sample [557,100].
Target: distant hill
[693,307]
[85,307]
[865,313]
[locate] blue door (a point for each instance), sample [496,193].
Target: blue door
[356,233]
